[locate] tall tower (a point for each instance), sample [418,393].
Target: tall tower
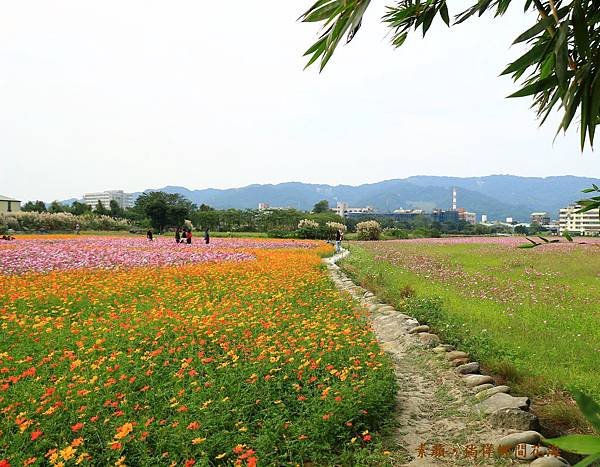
[454,199]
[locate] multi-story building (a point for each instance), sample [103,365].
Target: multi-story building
[125,200]
[540,218]
[9,204]
[470,217]
[583,223]
[343,209]
[484,218]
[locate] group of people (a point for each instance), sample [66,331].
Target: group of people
[7,237]
[182,235]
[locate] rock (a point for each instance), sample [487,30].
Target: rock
[428,340]
[467,368]
[456,354]
[502,401]
[386,308]
[515,419]
[482,387]
[476,380]
[459,361]
[411,323]
[440,349]
[528,452]
[549,461]
[368,294]
[490,392]
[510,441]
[423,328]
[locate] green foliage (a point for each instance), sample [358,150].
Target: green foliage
[321,206]
[37,206]
[588,445]
[56,207]
[590,203]
[79,209]
[164,209]
[100,210]
[521,230]
[560,66]
[115,209]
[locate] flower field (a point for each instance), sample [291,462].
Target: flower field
[533,311]
[115,351]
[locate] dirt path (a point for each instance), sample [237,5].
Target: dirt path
[437,423]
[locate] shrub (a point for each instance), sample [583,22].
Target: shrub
[368,230]
[62,221]
[396,233]
[308,229]
[333,227]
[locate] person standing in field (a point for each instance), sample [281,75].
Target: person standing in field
[149,235]
[189,236]
[77,229]
[338,241]
[178,235]
[206,236]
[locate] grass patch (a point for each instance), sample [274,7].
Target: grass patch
[529,316]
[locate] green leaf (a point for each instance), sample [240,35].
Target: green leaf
[588,407]
[530,57]
[536,87]
[561,52]
[588,460]
[582,40]
[578,444]
[533,31]
[567,235]
[444,14]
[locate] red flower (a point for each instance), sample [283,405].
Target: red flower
[189,462]
[78,426]
[115,446]
[4,463]
[36,434]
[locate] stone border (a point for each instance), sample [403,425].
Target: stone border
[502,409]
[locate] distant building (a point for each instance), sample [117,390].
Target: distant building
[484,218]
[509,220]
[125,200]
[9,204]
[585,223]
[268,207]
[471,217]
[343,209]
[540,218]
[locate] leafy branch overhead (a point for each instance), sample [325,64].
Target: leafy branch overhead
[560,68]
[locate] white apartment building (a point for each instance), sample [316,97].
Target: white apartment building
[584,223]
[471,217]
[125,200]
[343,209]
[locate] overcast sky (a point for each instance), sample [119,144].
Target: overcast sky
[141,94]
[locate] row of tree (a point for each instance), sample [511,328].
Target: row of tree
[162,211]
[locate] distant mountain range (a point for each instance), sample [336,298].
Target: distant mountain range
[498,196]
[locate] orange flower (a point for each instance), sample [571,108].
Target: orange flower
[77,442]
[189,462]
[36,434]
[193,426]
[124,430]
[115,446]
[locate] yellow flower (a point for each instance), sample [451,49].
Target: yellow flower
[198,440]
[67,453]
